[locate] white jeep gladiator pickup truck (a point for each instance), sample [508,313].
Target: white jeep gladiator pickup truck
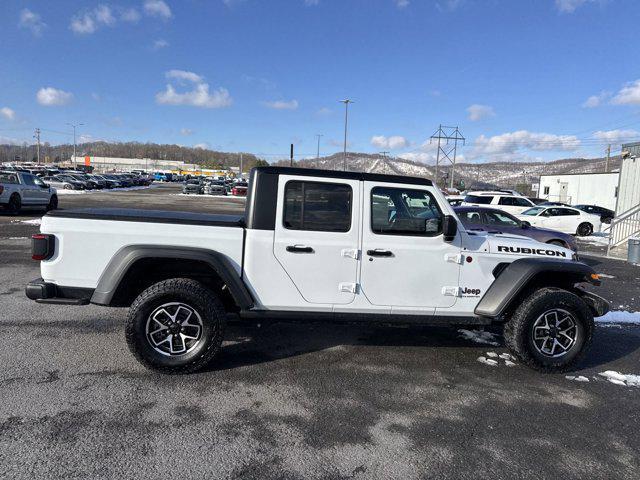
[314,244]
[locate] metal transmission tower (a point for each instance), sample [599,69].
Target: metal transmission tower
[450,134]
[346,120]
[384,159]
[36,135]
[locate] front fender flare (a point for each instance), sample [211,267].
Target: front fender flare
[515,277]
[123,260]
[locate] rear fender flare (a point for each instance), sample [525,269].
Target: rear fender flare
[127,256]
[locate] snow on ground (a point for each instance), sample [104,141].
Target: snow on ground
[227,197]
[493,359]
[62,191]
[579,378]
[35,221]
[479,336]
[595,239]
[626,380]
[488,361]
[605,275]
[620,316]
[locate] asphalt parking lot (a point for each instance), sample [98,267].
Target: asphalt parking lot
[300,401]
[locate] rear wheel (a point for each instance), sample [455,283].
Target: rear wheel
[53,203]
[585,229]
[15,204]
[550,331]
[176,326]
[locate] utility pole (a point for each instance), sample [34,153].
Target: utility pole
[318,153]
[291,156]
[37,137]
[74,141]
[384,156]
[450,134]
[240,164]
[346,120]
[606,167]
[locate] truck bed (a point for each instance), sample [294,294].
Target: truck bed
[151,216]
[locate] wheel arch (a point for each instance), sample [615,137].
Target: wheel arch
[523,276]
[135,267]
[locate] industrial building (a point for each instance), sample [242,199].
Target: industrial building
[581,188]
[105,164]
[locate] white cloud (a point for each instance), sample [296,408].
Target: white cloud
[391,143]
[159,44]
[478,112]
[597,100]
[199,96]
[31,21]
[282,105]
[324,111]
[184,76]
[509,146]
[52,97]
[570,6]
[201,146]
[104,15]
[7,113]
[157,8]
[628,95]
[617,137]
[130,15]
[401,3]
[83,24]
[186,131]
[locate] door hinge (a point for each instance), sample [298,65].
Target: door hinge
[454,258]
[451,291]
[350,253]
[347,287]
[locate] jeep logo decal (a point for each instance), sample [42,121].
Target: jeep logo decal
[531,251]
[471,291]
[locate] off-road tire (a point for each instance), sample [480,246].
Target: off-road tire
[15,204]
[518,329]
[193,293]
[584,229]
[53,203]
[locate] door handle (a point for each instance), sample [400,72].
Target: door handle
[299,249]
[378,252]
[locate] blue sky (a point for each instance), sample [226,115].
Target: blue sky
[523,79]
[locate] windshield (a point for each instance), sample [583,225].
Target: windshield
[534,211]
[479,199]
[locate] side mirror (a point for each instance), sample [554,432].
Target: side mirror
[525,225]
[449,228]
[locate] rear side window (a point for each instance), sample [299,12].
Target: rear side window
[320,207]
[8,178]
[479,199]
[28,179]
[399,211]
[565,212]
[515,201]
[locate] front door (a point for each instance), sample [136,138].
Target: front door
[316,236]
[405,261]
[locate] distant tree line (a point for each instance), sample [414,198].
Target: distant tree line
[60,153]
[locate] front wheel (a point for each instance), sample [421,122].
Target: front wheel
[584,229]
[175,326]
[15,204]
[53,203]
[550,331]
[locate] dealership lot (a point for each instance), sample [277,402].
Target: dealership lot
[299,401]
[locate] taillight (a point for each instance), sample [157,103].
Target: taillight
[43,246]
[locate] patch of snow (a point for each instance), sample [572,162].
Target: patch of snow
[488,361]
[62,191]
[600,240]
[492,354]
[509,363]
[479,336]
[605,275]
[618,316]
[18,238]
[627,380]
[579,378]
[506,356]
[35,221]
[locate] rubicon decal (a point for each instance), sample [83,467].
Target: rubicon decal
[531,251]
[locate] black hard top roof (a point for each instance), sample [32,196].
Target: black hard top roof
[369,177]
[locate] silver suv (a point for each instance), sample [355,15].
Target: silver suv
[21,189]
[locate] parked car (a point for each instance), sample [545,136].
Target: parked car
[508,202]
[316,245]
[20,189]
[86,185]
[547,203]
[89,184]
[605,214]
[59,183]
[125,181]
[496,221]
[193,186]
[102,183]
[537,201]
[215,187]
[240,189]
[110,183]
[564,219]
[455,200]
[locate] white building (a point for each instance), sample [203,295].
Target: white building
[581,188]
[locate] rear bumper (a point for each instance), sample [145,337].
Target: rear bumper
[45,292]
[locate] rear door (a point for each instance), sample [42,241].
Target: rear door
[406,264]
[317,236]
[28,189]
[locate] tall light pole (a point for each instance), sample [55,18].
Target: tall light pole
[346,120]
[74,140]
[318,153]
